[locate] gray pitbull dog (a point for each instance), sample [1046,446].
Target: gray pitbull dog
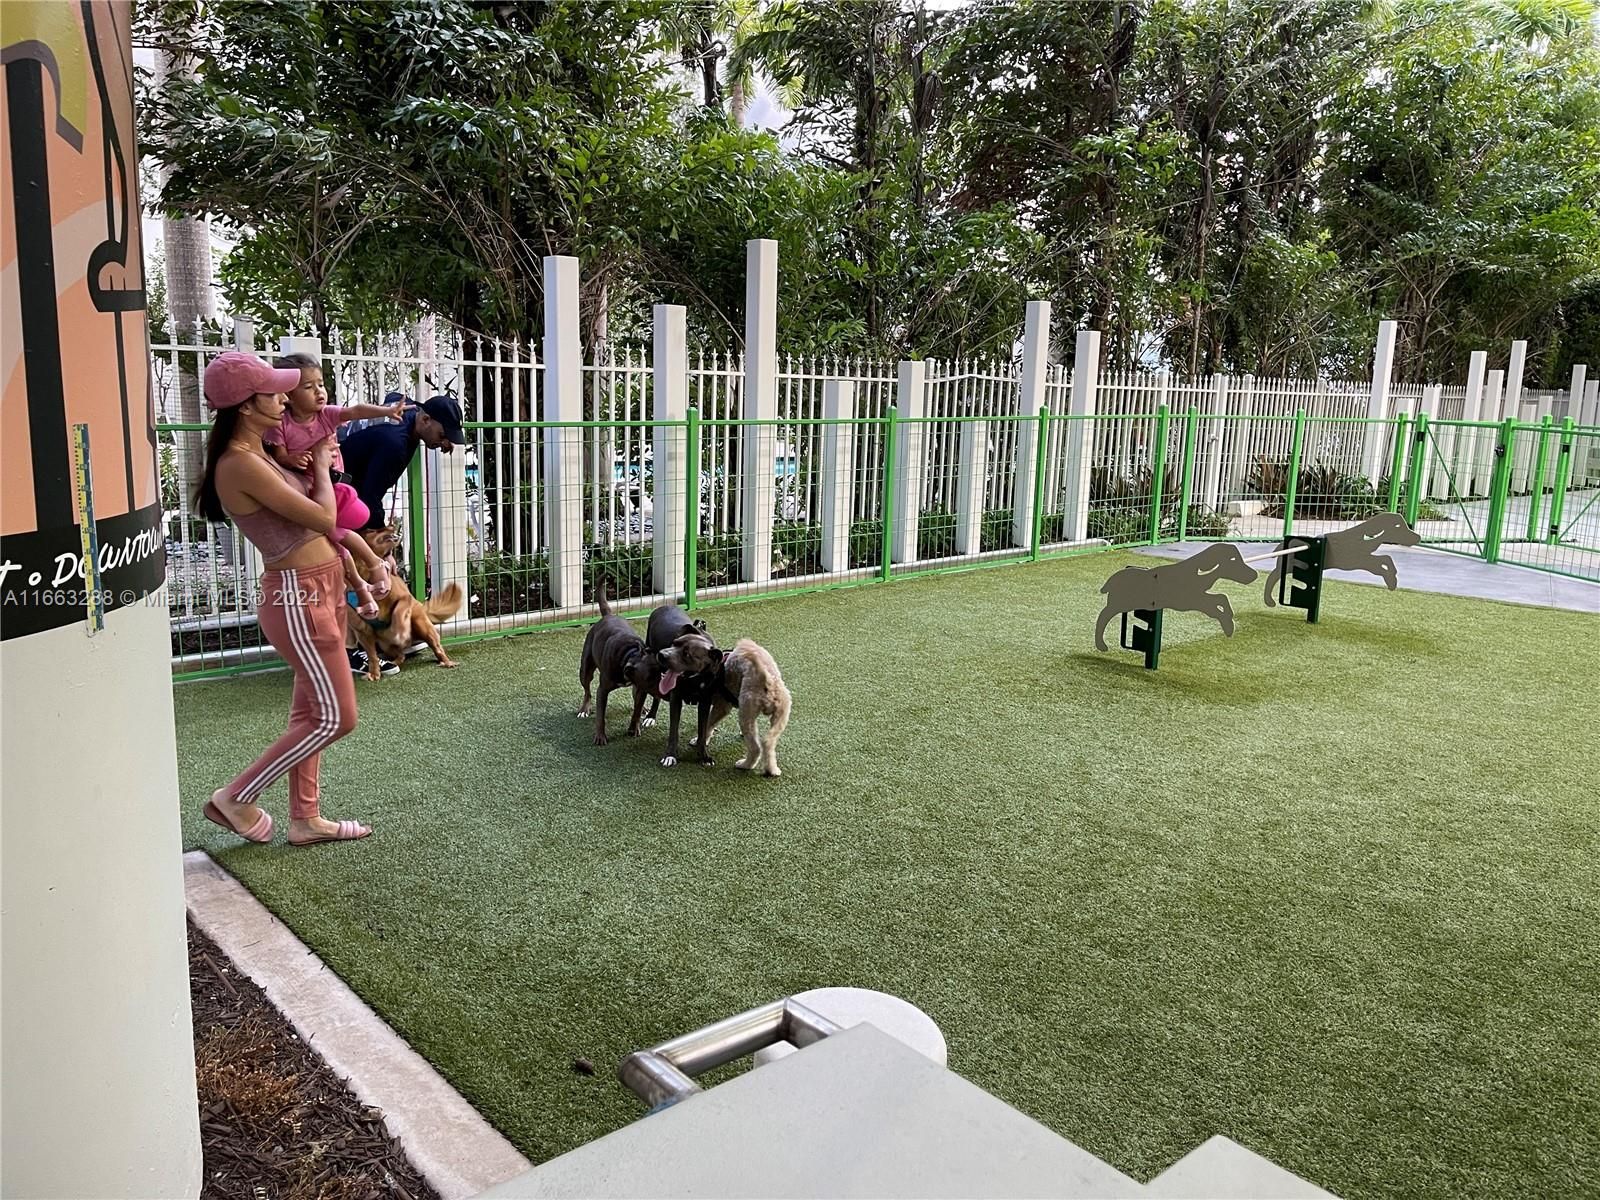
[684,645]
[618,654]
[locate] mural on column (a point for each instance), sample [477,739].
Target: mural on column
[75,348]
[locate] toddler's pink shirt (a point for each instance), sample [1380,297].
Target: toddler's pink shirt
[298,438]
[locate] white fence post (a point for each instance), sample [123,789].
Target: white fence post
[1587,451]
[1431,400]
[299,345]
[1244,442]
[1035,361]
[1080,434]
[563,457]
[669,470]
[838,453]
[1466,456]
[760,404]
[1491,410]
[1210,490]
[910,402]
[1378,404]
[1523,457]
[1575,390]
[446,476]
[971,484]
[244,334]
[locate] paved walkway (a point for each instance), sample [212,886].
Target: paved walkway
[1424,570]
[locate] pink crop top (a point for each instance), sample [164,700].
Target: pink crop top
[270,533]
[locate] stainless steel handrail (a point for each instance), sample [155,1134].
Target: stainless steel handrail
[665,1073]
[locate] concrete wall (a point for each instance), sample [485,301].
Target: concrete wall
[97,1093]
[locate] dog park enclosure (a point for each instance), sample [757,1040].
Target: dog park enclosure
[716,476]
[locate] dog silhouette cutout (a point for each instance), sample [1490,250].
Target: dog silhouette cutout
[1183,586]
[1352,550]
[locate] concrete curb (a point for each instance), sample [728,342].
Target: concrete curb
[456,1150]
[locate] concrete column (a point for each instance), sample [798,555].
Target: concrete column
[1589,444]
[1035,361]
[910,400]
[1431,476]
[970,486]
[301,345]
[670,468]
[1080,434]
[445,478]
[1523,460]
[1491,410]
[563,448]
[1378,402]
[1211,439]
[1466,455]
[1440,458]
[838,455]
[760,404]
[1575,390]
[1244,442]
[97,1089]
[244,334]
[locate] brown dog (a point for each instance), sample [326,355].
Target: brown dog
[402,618]
[749,673]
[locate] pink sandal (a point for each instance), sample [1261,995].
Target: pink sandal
[261,831]
[348,831]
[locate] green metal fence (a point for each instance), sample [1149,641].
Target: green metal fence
[535,517]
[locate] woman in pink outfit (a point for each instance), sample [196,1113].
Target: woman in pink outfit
[287,517]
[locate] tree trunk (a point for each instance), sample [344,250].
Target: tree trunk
[186,242]
[736,103]
[711,89]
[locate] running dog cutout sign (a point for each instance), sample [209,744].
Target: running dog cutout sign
[73,285]
[1144,593]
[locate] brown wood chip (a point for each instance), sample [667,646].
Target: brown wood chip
[275,1122]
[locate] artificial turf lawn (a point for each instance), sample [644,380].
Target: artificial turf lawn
[1329,890]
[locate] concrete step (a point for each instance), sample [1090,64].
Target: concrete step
[1222,1169]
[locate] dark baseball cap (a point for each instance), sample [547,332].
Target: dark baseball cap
[448,413]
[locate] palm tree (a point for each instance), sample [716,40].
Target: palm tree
[697,29]
[847,51]
[186,243]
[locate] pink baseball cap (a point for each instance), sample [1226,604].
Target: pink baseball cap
[232,378]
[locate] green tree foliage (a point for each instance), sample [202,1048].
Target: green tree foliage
[1215,185]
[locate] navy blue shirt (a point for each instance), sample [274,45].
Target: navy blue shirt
[376,457]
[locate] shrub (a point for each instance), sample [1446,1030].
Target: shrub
[936,534]
[500,583]
[1321,491]
[624,566]
[796,548]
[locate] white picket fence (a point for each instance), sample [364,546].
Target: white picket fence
[523,490]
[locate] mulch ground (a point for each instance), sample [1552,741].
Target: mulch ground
[275,1122]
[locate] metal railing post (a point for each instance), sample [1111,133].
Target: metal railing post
[1397,463]
[1536,484]
[1191,434]
[891,419]
[1558,498]
[1158,472]
[1041,457]
[1500,489]
[1292,484]
[691,515]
